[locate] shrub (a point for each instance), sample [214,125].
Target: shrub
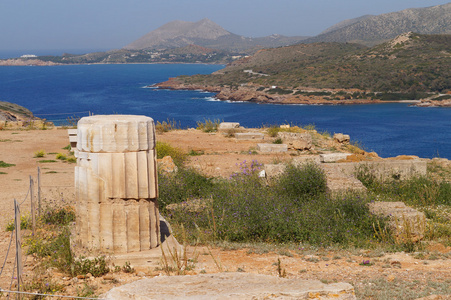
[208,125]
[278,141]
[417,190]
[25,223]
[244,209]
[97,266]
[301,183]
[181,186]
[166,126]
[39,153]
[164,149]
[58,216]
[273,130]
[61,156]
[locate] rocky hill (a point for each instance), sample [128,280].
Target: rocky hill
[372,30]
[208,34]
[409,67]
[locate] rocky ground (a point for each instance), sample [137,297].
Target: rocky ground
[388,275]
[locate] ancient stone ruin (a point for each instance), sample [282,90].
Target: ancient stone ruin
[116,184]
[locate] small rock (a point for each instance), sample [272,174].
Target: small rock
[166,164]
[390,278]
[342,138]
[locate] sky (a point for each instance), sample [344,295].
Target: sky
[78,25]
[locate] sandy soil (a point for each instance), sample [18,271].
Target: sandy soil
[222,156]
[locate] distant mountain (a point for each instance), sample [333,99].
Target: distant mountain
[208,34]
[372,30]
[345,23]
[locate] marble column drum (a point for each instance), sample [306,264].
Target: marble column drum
[116,186]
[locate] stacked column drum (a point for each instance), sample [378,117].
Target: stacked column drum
[116,186]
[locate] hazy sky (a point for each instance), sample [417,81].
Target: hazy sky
[112,24]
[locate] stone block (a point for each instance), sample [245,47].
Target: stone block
[115,133]
[339,181]
[300,160]
[274,170]
[72,135]
[272,148]
[407,224]
[387,169]
[342,138]
[230,286]
[228,125]
[296,141]
[249,136]
[333,157]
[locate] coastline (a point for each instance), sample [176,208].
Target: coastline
[251,94]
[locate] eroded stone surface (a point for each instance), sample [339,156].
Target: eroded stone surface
[228,125]
[333,157]
[230,286]
[272,147]
[249,136]
[408,224]
[296,141]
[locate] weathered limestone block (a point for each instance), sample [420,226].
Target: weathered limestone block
[342,138]
[387,169]
[167,165]
[272,147]
[407,224]
[116,184]
[338,181]
[249,136]
[274,170]
[72,138]
[297,141]
[333,157]
[228,125]
[230,286]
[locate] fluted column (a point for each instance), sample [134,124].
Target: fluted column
[116,184]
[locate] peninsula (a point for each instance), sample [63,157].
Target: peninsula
[410,67]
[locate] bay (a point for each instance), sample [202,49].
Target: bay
[59,92]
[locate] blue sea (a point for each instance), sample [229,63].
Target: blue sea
[59,92]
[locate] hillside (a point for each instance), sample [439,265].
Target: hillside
[372,30]
[208,34]
[412,64]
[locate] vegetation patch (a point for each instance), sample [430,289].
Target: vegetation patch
[164,149]
[39,153]
[5,165]
[208,125]
[244,209]
[166,126]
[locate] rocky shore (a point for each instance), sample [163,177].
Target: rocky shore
[26,62]
[254,94]
[434,103]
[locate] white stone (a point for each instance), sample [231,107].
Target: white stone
[333,157]
[228,125]
[272,147]
[249,136]
[230,286]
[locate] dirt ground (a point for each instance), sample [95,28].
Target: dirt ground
[222,157]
